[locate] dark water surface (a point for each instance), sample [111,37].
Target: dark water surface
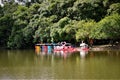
[26,64]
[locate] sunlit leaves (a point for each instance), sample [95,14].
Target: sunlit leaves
[114,8]
[85,29]
[57,29]
[59,20]
[108,28]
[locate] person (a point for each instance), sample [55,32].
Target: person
[83,45]
[91,42]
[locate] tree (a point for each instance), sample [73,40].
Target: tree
[42,34]
[57,32]
[1,11]
[70,31]
[16,39]
[84,29]
[6,22]
[88,9]
[114,8]
[108,28]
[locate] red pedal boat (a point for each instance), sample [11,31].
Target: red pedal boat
[64,47]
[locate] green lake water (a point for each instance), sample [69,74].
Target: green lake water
[26,64]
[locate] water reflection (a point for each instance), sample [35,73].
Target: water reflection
[59,65]
[49,50]
[63,54]
[83,53]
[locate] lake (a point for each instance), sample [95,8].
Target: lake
[26,64]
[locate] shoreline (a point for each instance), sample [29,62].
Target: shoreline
[104,47]
[93,48]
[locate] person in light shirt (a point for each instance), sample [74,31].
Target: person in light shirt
[83,45]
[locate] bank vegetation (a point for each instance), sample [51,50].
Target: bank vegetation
[48,21]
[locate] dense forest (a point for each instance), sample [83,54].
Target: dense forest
[49,21]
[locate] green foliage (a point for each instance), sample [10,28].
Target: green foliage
[16,41]
[85,29]
[108,28]
[34,8]
[42,34]
[57,30]
[6,22]
[58,20]
[20,21]
[9,8]
[114,8]
[70,31]
[1,11]
[88,9]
